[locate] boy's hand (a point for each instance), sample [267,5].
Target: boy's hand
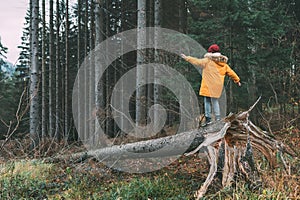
[183,56]
[239,84]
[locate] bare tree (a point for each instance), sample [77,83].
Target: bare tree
[57,75]
[79,35]
[51,66]
[66,81]
[34,77]
[141,73]
[92,68]
[44,127]
[157,24]
[86,75]
[99,37]
[110,74]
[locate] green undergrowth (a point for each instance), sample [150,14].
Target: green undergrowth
[92,180]
[37,180]
[24,180]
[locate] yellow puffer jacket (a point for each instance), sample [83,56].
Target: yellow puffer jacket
[215,68]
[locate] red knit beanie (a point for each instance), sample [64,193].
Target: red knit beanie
[213,48]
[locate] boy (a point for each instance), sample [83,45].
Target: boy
[215,67]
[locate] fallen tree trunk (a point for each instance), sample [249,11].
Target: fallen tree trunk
[138,157]
[166,147]
[228,145]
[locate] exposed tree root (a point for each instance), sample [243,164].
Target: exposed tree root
[233,151]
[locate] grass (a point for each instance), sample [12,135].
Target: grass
[159,187]
[36,180]
[31,180]
[24,180]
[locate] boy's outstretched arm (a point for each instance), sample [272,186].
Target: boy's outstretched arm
[194,61]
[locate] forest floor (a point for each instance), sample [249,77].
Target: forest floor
[25,178]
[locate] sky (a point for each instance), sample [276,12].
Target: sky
[12,18]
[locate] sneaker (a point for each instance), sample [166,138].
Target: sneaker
[207,122]
[218,118]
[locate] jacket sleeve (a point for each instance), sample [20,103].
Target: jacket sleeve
[196,61]
[232,74]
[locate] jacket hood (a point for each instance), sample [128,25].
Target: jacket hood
[217,57]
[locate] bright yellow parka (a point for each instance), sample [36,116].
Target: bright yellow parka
[215,68]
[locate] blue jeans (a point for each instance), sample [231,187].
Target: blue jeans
[209,104]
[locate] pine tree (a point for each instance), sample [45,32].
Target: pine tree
[66,74]
[43,107]
[51,67]
[58,99]
[141,73]
[157,87]
[22,66]
[34,77]
[3,51]
[99,86]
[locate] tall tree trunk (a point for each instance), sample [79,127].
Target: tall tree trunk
[141,73]
[34,77]
[66,81]
[57,77]
[109,75]
[30,29]
[79,37]
[86,75]
[44,127]
[150,57]
[30,44]
[124,125]
[157,88]
[86,31]
[99,86]
[51,66]
[92,68]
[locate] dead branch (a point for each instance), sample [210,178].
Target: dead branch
[18,115]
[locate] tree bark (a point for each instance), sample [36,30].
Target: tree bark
[110,72]
[79,52]
[141,72]
[34,77]
[57,77]
[86,60]
[99,86]
[44,127]
[156,87]
[51,66]
[66,81]
[91,98]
